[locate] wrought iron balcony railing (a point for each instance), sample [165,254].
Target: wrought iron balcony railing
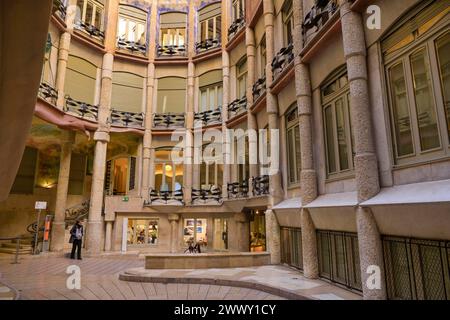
[237,107]
[91,30]
[171,51]
[259,88]
[169,120]
[282,60]
[81,109]
[165,197]
[237,190]
[209,117]
[236,26]
[207,44]
[132,46]
[319,14]
[76,213]
[59,8]
[206,195]
[260,185]
[48,93]
[127,119]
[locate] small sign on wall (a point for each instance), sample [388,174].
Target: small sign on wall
[40,205]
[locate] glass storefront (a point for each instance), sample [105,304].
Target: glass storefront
[257,231]
[142,232]
[195,231]
[220,235]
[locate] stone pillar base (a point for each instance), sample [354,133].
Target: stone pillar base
[94,237]
[273,237]
[58,236]
[309,246]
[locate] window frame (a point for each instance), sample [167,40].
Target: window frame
[291,126]
[216,87]
[238,9]
[241,76]
[136,20]
[288,17]
[95,5]
[164,163]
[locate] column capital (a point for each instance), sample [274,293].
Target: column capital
[102,136]
[173,217]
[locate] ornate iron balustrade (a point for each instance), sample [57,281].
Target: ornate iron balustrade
[282,60]
[169,120]
[205,195]
[81,109]
[171,50]
[207,44]
[236,26]
[91,30]
[237,107]
[59,8]
[260,185]
[209,117]
[259,88]
[79,212]
[237,190]
[127,119]
[48,93]
[132,46]
[165,197]
[318,16]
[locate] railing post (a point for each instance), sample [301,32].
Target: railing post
[16,258]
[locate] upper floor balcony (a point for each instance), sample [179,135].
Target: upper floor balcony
[238,190]
[81,109]
[261,185]
[259,88]
[127,119]
[207,45]
[169,120]
[317,17]
[90,30]
[209,117]
[59,8]
[282,60]
[165,197]
[134,47]
[207,196]
[48,93]
[171,50]
[237,107]
[236,26]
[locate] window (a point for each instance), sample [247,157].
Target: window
[172,36]
[288,21]
[263,56]
[77,174]
[338,133]
[210,27]
[132,24]
[417,64]
[238,9]
[242,78]
[168,171]
[293,146]
[241,158]
[291,247]
[90,12]
[127,92]
[211,97]
[171,95]
[142,232]
[80,82]
[257,231]
[120,175]
[24,182]
[211,169]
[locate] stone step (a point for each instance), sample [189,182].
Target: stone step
[13,245]
[13,250]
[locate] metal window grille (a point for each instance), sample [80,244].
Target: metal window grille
[291,247]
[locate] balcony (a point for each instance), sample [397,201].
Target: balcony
[317,17]
[237,190]
[165,197]
[282,60]
[90,30]
[168,120]
[132,46]
[48,93]
[81,109]
[206,45]
[236,26]
[260,185]
[213,194]
[59,8]
[171,51]
[209,117]
[237,107]
[259,88]
[127,119]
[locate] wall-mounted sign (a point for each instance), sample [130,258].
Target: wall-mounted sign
[40,205]
[125,199]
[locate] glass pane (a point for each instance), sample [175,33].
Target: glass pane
[291,156]
[141,33]
[211,28]
[203,169]
[330,139]
[218,27]
[169,173]
[212,98]
[212,174]
[89,13]
[178,177]
[98,18]
[298,151]
[443,48]
[132,31]
[203,31]
[426,112]
[203,100]
[122,29]
[342,134]
[219,96]
[79,12]
[402,122]
[158,176]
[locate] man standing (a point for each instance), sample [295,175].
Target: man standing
[76,237]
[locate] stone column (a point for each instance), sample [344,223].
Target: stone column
[101,138]
[226,148]
[366,166]
[147,169]
[370,254]
[242,233]
[173,219]
[189,146]
[309,246]
[63,56]
[276,189]
[59,224]
[108,236]
[273,237]
[252,124]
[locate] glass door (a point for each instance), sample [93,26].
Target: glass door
[195,232]
[258,231]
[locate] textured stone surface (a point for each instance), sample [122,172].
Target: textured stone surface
[309,246]
[273,237]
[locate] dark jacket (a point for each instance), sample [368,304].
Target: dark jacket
[73,232]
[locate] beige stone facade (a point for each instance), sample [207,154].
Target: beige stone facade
[361,189]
